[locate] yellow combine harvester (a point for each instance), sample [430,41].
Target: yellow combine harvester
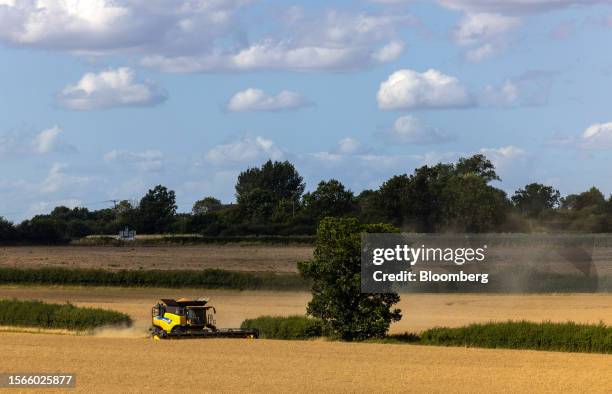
[184,318]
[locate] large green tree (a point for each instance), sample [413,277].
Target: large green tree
[535,198]
[335,272]
[329,199]
[261,190]
[157,210]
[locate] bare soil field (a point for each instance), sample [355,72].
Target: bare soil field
[421,311]
[239,365]
[235,257]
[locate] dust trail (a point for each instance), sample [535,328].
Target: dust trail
[140,329]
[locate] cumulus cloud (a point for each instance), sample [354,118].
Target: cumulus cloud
[478,27]
[246,150]
[57,179]
[258,100]
[598,135]
[46,140]
[350,146]
[505,156]
[409,89]
[389,52]
[410,130]
[148,160]
[201,36]
[484,34]
[25,144]
[110,89]
[532,88]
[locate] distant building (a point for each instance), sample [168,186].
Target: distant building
[127,234]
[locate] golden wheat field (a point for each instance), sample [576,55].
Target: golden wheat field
[104,364]
[420,311]
[126,360]
[235,257]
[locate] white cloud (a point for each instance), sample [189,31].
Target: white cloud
[598,135]
[410,130]
[532,88]
[479,27]
[46,140]
[204,35]
[246,150]
[350,146]
[148,160]
[27,144]
[258,100]
[409,89]
[504,157]
[109,89]
[389,52]
[57,179]
[484,34]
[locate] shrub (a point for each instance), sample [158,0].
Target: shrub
[209,278]
[292,327]
[60,316]
[569,337]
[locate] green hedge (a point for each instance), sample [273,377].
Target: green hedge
[209,278]
[59,316]
[291,327]
[567,337]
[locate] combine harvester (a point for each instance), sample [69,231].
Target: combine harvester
[184,318]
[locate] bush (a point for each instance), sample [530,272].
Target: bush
[568,337]
[209,278]
[58,316]
[292,327]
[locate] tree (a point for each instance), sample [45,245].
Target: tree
[393,198]
[157,210]
[591,198]
[336,276]
[475,206]
[479,165]
[7,231]
[329,199]
[206,205]
[274,183]
[535,198]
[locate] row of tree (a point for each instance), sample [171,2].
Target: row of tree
[270,200]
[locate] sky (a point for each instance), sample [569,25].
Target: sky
[104,99]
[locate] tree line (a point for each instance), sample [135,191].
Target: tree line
[270,200]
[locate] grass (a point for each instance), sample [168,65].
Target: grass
[58,316]
[208,278]
[290,327]
[564,337]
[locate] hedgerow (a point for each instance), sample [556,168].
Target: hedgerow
[291,327]
[58,316]
[209,278]
[565,337]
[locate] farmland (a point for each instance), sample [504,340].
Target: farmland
[421,311]
[104,364]
[248,257]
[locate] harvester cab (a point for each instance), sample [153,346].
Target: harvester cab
[184,318]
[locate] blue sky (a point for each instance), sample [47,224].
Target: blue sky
[104,99]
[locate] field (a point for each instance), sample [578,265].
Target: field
[248,257]
[140,365]
[128,360]
[421,311]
